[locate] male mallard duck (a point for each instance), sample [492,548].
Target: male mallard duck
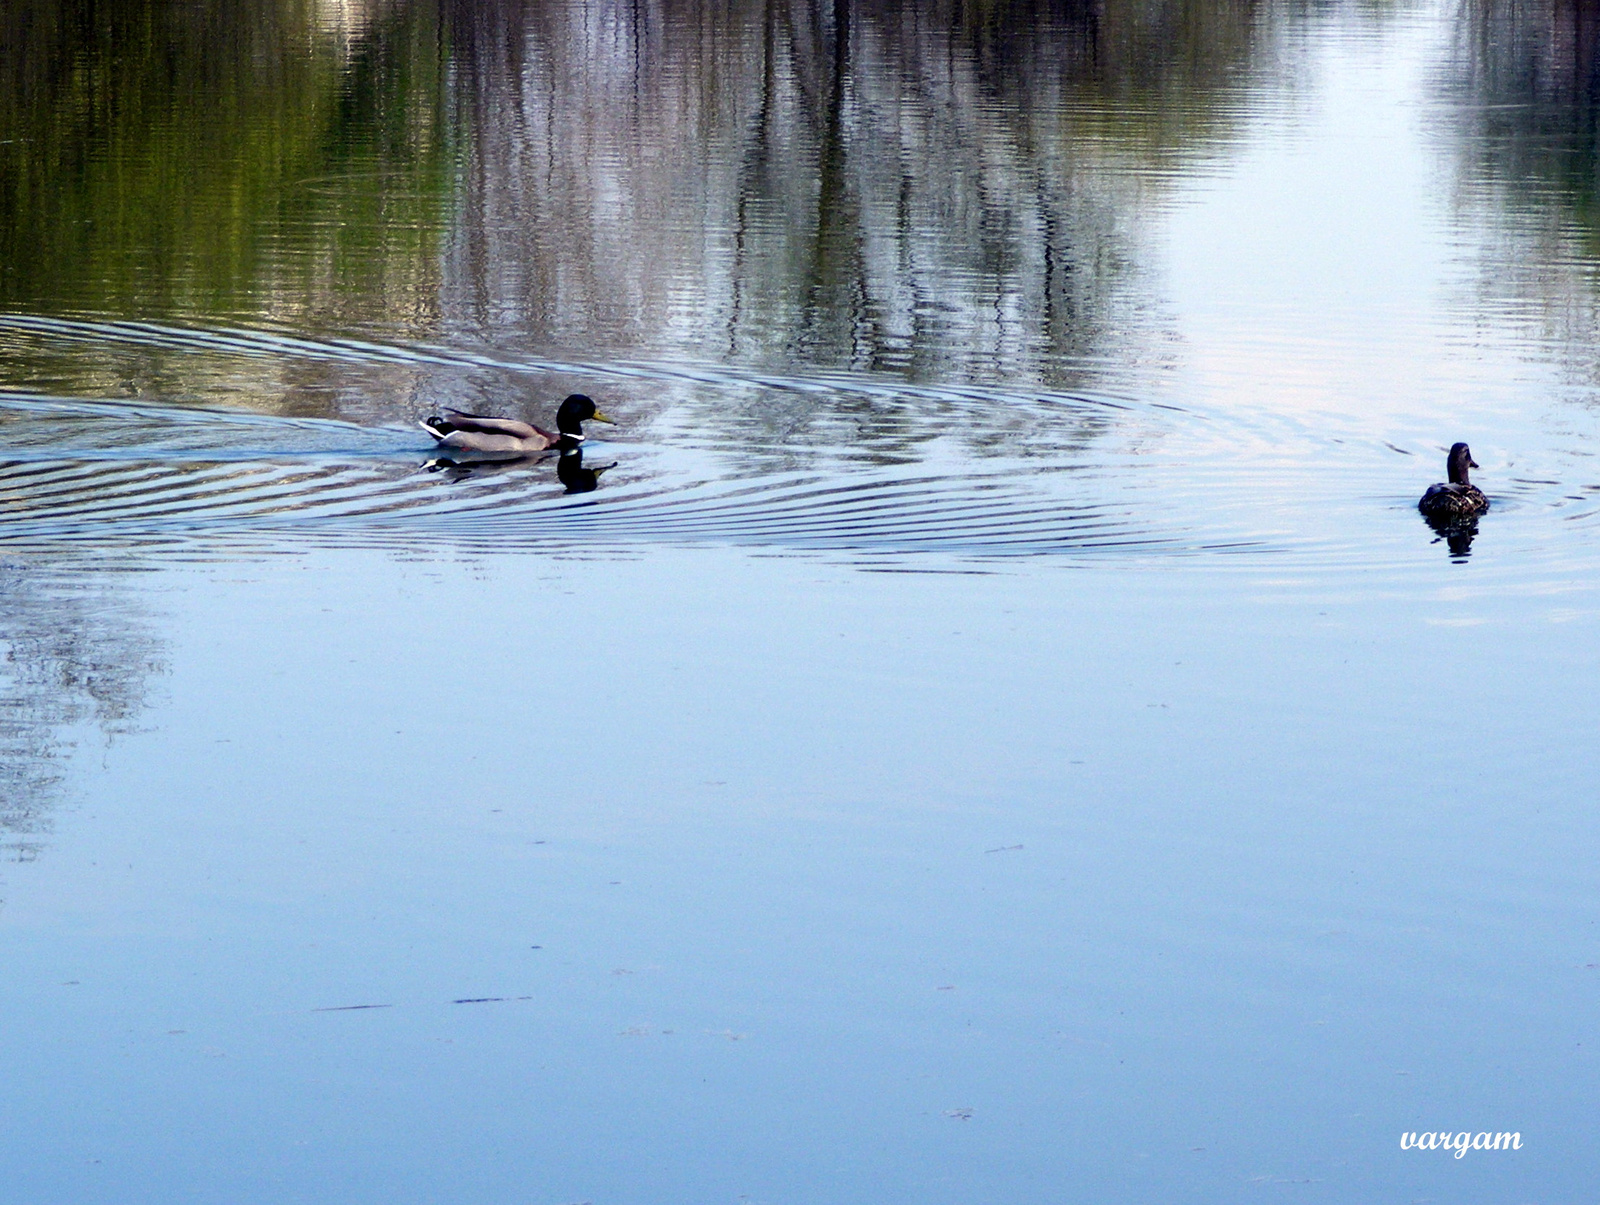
[509,436]
[1458,498]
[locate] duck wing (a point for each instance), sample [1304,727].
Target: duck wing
[485,425]
[1452,498]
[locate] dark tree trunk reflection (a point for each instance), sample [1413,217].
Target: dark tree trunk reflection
[937,190]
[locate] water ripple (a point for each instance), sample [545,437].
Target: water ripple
[257,342]
[856,463]
[118,473]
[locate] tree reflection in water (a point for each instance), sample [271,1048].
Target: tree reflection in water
[78,660]
[930,190]
[1524,82]
[942,193]
[935,192]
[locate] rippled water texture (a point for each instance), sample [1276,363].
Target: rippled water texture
[988,722]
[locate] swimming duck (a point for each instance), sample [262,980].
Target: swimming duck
[1458,498]
[509,436]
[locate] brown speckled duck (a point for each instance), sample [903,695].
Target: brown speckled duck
[509,436]
[1458,498]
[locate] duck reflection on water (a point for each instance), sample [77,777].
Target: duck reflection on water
[571,472]
[570,469]
[1457,533]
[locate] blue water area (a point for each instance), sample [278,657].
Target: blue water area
[987,724]
[695,874]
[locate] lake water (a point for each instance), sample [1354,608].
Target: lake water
[987,724]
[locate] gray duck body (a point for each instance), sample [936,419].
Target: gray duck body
[509,437]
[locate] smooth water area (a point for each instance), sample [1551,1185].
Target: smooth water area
[988,722]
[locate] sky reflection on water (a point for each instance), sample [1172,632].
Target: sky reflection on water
[999,730]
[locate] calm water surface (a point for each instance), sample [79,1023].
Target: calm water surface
[987,724]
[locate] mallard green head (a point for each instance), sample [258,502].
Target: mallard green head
[575,411]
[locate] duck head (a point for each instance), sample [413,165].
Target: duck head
[1459,462]
[575,411]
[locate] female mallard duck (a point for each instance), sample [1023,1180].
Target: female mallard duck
[1458,498]
[512,437]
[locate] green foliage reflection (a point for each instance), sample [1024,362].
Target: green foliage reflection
[242,158]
